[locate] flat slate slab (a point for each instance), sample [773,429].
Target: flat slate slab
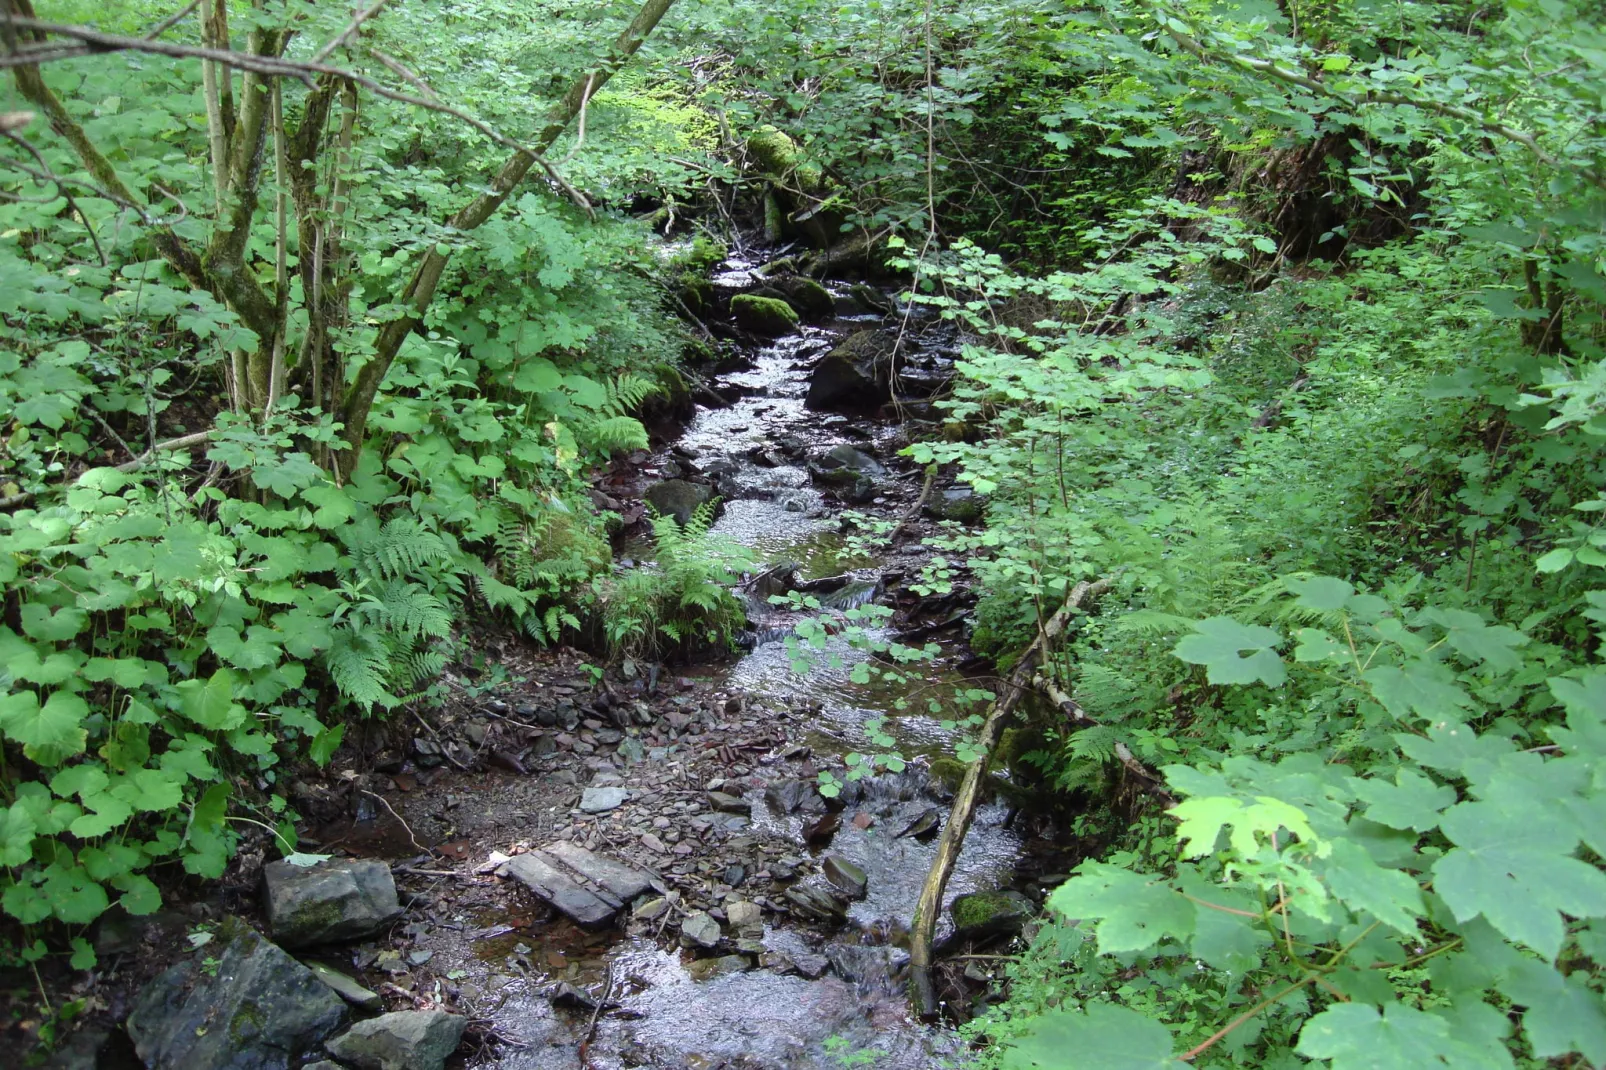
[588,887]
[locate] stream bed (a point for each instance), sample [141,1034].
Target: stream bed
[714,773]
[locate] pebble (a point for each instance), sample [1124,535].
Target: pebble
[699,930]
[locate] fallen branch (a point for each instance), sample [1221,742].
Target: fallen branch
[921,992]
[914,510]
[1076,715]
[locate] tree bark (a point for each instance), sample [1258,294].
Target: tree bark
[420,289]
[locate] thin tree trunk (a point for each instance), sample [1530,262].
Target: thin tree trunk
[420,289]
[929,906]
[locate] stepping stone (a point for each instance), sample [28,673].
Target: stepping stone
[588,887]
[328,902]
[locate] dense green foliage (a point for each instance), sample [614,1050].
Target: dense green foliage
[1286,322]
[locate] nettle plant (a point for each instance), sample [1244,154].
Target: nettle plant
[1425,891]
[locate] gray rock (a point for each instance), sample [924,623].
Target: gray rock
[816,903]
[587,887]
[401,1040]
[331,901]
[601,800]
[790,796]
[848,878]
[856,376]
[730,804]
[853,473]
[677,498]
[981,915]
[699,930]
[244,1006]
[803,963]
[724,966]
[345,987]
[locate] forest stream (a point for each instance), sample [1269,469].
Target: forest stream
[706,780]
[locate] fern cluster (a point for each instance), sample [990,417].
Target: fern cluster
[683,598]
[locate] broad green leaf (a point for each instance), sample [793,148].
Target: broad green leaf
[50,734]
[1358,1037]
[1564,1014]
[1134,911]
[1517,872]
[1389,895]
[1103,1037]
[210,703]
[1494,645]
[17,830]
[140,896]
[72,896]
[1220,643]
[1412,802]
[1320,593]
[1426,688]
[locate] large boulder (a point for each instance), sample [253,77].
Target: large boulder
[856,376]
[677,498]
[957,503]
[853,474]
[328,902]
[242,1003]
[768,316]
[401,1040]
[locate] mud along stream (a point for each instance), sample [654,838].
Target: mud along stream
[764,928]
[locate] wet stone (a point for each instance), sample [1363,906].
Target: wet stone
[587,887]
[724,966]
[744,916]
[401,1040]
[330,901]
[730,804]
[346,988]
[848,878]
[699,930]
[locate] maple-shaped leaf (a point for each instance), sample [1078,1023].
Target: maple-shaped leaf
[1359,1037]
[1413,801]
[1233,653]
[1426,688]
[1517,870]
[1104,1037]
[1254,824]
[49,733]
[1134,911]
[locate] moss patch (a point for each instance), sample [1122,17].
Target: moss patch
[763,315]
[948,772]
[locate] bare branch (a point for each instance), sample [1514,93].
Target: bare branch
[402,72]
[172,20]
[351,27]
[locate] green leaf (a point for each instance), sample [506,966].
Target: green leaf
[83,955]
[1493,645]
[210,703]
[1219,644]
[140,895]
[1517,871]
[49,734]
[1427,688]
[1320,593]
[1134,911]
[1103,1037]
[72,896]
[1555,560]
[1203,819]
[17,831]
[1358,1037]
[1413,801]
[1564,1015]
[1389,895]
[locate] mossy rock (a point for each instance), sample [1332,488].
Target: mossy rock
[1009,754]
[948,772]
[673,398]
[696,293]
[763,315]
[772,149]
[987,914]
